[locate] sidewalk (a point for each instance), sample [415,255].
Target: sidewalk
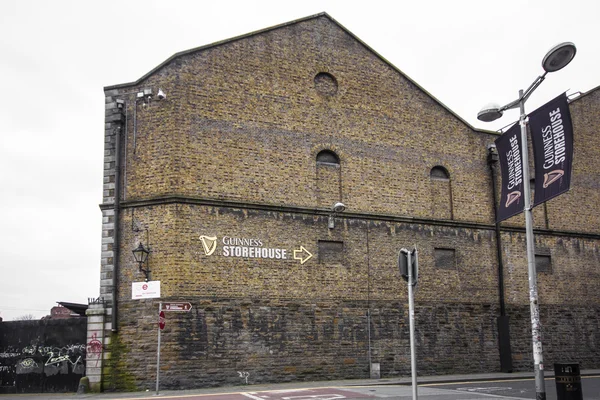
[422,380]
[406,380]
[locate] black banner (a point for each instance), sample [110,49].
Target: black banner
[511,167]
[552,138]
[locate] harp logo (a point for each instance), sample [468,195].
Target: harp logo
[552,177]
[209,243]
[512,197]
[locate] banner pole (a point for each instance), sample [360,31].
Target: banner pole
[536,332]
[158,349]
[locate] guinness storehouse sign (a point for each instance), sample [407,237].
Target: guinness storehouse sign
[229,246]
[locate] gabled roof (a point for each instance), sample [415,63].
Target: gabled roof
[322,14]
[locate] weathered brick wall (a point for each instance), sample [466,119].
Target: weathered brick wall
[575,277]
[280,320]
[178,261]
[244,121]
[279,341]
[570,334]
[232,152]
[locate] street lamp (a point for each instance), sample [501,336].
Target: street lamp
[140,254]
[557,58]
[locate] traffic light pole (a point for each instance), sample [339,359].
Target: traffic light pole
[408,264]
[411,311]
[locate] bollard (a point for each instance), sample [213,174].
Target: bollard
[84,385]
[568,381]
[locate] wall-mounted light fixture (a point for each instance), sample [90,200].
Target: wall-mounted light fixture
[336,208]
[146,95]
[141,257]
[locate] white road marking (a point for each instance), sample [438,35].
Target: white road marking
[251,396]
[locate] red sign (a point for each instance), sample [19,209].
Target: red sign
[161,320]
[181,306]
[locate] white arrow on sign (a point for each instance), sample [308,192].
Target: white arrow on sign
[301,251]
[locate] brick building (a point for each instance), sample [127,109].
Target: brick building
[229,175]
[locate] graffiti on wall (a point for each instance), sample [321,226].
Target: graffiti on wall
[94,349]
[48,355]
[244,375]
[40,359]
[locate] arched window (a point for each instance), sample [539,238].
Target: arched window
[439,172]
[441,193]
[329,178]
[328,156]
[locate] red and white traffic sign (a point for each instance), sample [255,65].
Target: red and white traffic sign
[161,320]
[177,306]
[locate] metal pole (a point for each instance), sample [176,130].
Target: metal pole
[158,350]
[536,332]
[411,312]
[369,338]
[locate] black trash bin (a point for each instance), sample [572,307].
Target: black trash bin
[568,381]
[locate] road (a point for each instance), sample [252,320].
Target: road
[523,389]
[481,390]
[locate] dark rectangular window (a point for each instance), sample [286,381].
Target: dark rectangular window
[445,258]
[543,263]
[331,252]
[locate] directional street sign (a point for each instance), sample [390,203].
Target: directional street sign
[177,306]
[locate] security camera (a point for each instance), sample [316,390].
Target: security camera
[161,95]
[338,207]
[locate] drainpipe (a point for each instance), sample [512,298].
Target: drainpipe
[369,355]
[117,235]
[503,319]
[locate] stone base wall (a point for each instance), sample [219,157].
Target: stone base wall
[224,342]
[569,334]
[268,320]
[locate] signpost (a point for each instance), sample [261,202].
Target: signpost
[408,263]
[161,326]
[180,306]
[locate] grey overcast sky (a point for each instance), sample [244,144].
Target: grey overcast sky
[56,57]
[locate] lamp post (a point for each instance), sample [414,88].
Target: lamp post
[557,58]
